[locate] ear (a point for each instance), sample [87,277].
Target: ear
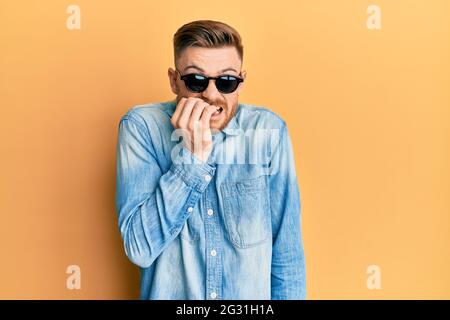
[241,85]
[173,80]
[243,74]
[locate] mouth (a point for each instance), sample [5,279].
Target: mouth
[218,111]
[217,114]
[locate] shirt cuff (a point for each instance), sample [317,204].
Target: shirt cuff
[194,172]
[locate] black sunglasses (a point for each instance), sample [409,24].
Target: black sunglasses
[198,83]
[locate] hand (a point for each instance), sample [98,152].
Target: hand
[193,115]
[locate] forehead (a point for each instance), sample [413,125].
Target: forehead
[212,60]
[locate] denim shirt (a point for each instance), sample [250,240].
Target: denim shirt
[228,228]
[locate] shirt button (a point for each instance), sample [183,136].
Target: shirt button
[210,212]
[213,253]
[213,295]
[190,209]
[207,178]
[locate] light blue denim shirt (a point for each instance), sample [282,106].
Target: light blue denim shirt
[229,228]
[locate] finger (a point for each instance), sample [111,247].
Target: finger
[183,120]
[178,110]
[196,113]
[205,121]
[206,116]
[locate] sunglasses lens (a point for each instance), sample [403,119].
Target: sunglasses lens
[227,84]
[196,82]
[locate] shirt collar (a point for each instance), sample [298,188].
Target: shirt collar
[232,128]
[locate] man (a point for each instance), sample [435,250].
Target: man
[217,215]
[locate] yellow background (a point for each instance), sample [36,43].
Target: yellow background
[367,110]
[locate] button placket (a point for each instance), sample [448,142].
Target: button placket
[212,244]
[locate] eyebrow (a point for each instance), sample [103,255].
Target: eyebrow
[193,66]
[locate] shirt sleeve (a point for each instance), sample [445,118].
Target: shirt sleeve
[288,276]
[152,205]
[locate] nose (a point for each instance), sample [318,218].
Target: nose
[211,93]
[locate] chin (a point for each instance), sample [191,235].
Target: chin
[216,126]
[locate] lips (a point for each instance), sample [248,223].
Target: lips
[217,113]
[219,110]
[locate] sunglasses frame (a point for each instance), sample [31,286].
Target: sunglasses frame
[183,77]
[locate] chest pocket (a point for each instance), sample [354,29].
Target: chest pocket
[192,227]
[246,211]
